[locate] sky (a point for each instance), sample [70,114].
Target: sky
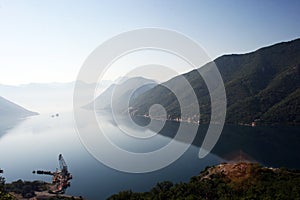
[48,41]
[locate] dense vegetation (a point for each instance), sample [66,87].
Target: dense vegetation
[261,86]
[26,188]
[255,182]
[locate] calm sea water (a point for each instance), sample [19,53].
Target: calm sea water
[35,143]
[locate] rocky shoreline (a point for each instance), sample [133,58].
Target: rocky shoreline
[34,190]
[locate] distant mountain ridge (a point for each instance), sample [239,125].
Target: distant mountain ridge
[48,97]
[261,86]
[9,109]
[120,94]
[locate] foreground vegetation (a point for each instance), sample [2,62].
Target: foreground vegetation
[3,194]
[25,188]
[28,190]
[227,181]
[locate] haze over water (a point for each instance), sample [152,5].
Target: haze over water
[36,142]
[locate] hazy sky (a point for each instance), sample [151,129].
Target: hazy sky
[47,41]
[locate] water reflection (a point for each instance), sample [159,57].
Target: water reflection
[275,146]
[36,142]
[8,123]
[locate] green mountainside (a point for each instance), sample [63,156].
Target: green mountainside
[260,86]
